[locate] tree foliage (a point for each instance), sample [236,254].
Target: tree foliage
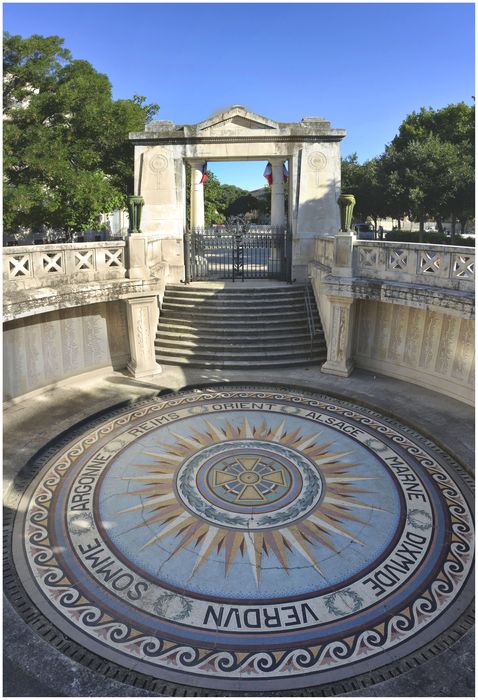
[365,183]
[426,172]
[66,153]
[222,201]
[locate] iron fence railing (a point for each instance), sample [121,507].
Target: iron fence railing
[237,252]
[310,317]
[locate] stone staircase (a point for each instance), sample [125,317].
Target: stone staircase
[237,328]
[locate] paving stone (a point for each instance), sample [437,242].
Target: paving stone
[341,520]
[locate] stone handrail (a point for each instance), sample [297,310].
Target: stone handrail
[446,266]
[31,266]
[324,251]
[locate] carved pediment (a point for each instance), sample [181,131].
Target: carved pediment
[236,120]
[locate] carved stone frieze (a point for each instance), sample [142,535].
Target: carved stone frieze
[48,348]
[397,343]
[447,344]
[465,350]
[415,328]
[382,331]
[427,347]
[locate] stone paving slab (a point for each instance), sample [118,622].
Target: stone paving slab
[243,486]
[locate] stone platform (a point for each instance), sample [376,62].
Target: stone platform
[240,536]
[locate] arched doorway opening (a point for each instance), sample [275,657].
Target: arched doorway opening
[251,238]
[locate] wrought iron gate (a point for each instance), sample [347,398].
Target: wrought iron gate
[237,251]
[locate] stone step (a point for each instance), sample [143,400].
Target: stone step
[196,313]
[261,327]
[240,354]
[233,309]
[236,291]
[237,364]
[300,336]
[257,345]
[246,297]
[241,324]
[238,330]
[246,305]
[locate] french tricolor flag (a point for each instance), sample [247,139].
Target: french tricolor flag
[268,173]
[285,174]
[204,174]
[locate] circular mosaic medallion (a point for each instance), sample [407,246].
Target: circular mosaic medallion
[247,538]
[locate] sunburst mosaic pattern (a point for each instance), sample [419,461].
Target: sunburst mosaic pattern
[247,538]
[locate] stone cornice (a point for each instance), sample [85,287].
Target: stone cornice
[31,302]
[149,139]
[419,296]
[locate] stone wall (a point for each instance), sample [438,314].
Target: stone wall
[46,348]
[74,308]
[423,346]
[401,309]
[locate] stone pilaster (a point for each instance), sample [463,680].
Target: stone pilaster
[197,195]
[343,254]
[339,345]
[137,257]
[142,314]
[277,192]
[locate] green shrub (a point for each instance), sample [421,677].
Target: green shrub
[428,237]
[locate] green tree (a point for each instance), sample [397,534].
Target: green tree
[229,194]
[245,204]
[213,213]
[452,124]
[427,172]
[67,158]
[351,174]
[365,182]
[440,143]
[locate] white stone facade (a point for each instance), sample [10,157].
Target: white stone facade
[310,147]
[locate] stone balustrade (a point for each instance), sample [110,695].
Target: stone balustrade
[48,265]
[450,267]
[71,308]
[446,266]
[401,309]
[324,251]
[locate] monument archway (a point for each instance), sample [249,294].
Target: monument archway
[311,148]
[238,249]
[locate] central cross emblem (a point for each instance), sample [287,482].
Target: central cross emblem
[249,479]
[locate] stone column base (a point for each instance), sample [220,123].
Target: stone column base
[140,374]
[142,314]
[338,368]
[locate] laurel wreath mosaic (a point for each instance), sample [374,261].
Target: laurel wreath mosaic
[247,539]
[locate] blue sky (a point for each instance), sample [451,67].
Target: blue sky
[363,67]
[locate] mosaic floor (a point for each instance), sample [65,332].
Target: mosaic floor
[249,539]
